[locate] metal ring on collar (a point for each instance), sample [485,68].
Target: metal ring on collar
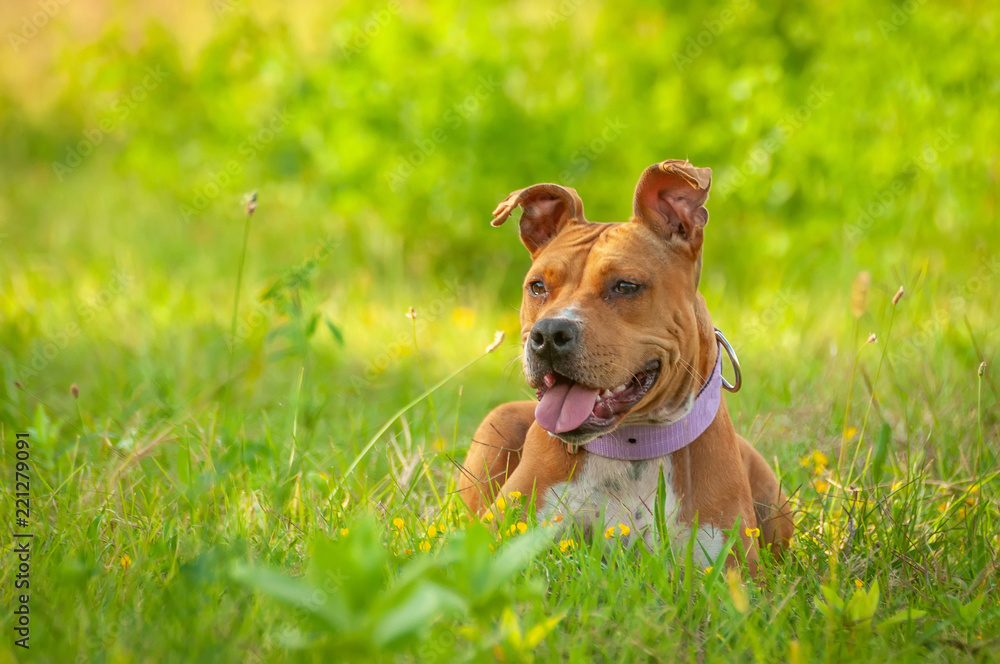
[738,375]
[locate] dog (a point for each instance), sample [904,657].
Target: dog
[620,346]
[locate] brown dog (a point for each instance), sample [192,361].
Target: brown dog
[621,348]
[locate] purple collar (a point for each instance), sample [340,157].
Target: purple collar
[635,442]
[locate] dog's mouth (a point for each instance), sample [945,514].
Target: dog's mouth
[568,407]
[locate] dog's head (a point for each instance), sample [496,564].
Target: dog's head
[608,315]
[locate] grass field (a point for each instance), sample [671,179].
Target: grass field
[241,448]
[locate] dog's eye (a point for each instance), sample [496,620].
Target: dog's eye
[537,287]
[625,288]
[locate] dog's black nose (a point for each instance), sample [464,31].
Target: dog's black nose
[554,338]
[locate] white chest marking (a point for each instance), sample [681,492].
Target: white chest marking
[625,493]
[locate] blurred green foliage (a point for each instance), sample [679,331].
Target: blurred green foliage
[397,126]
[844,137]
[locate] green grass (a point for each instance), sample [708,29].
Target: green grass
[211,498]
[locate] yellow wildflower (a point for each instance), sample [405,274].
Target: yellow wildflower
[736,591]
[488,517]
[425,546]
[344,532]
[126,562]
[622,530]
[501,503]
[432,532]
[399,523]
[973,490]
[752,532]
[708,570]
[566,545]
[858,584]
[514,495]
[519,527]
[817,460]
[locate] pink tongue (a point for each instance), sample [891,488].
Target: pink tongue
[565,406]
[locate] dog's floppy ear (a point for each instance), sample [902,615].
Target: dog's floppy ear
[547,208]
[670,197]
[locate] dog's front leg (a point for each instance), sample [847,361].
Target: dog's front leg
[545,462]
[495,453]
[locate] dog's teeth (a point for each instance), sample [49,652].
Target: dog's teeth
[605,394]
[621,388]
